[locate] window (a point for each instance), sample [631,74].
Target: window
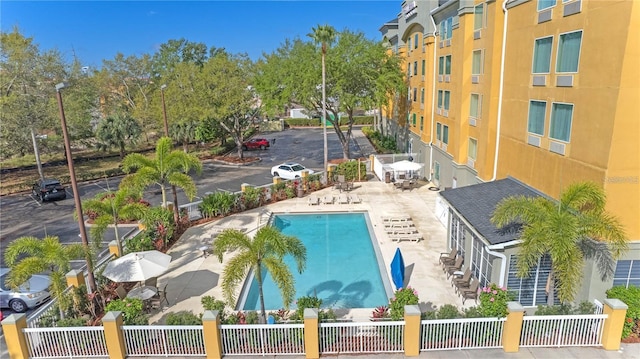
[423,66]
[545,4]
[446,28]
[456,234]
[439,131]
[561,116]
[474,108]
[542,55]
[530,290]
[436,171]
[476,64]
[414,120]
[445,134]
[415,94]
[409,44]
[447,96]
[569,52]
[481,262]
[537,111]
[415,40]
[440,98]
[447,65]
[627,273]
[421,123]
[409,69]
[422,95]
[472,152]
[415,68]
[441,65]
[478,17]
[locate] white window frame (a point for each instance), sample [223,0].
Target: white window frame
[533,57]
[544,119]
[445,64]
[478,114]
[555,3]
[457,234]
[446,106]
[634,263]
[475,155]
[440,98]
[579,52]
[445,130]
[438,131]
[482,19]
[551,121]
[539,284]
[481,51]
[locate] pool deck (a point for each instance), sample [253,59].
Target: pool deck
[191,275]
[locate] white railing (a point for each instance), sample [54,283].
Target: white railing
[598,307]
[465,333]
[263,339]
[562,330]
[372,337]
[163,340]
[193,210]
[49,308]
[73,342]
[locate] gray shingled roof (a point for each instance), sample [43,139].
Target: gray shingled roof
[476,204]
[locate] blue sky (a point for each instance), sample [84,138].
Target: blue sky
[98,30]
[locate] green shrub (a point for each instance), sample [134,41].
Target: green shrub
[402,297]
[71,322]
[183,318]
[493,301]
[303,122]
[448,311]
[349,170]
[383,144]
[252,197]
[132,311]
[584,307]
[218,204]
[631,297]
[211,303]
[142,242]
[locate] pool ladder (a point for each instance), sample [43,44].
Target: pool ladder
[263,218]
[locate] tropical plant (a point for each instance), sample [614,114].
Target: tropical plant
[631,297]
[575,228]
[111,208]
[218,204]
[132,310]
[159,228]
[118,131]
[169,167]
[183,317]
[493,301]
[27,256]
[264,252]
[402,297]
[184,132]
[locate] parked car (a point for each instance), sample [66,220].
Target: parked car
[48,189]
[255,143]
[289,170]
[28,295]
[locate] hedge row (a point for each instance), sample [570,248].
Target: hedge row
[315,122]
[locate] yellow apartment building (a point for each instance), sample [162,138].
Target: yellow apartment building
[521,97]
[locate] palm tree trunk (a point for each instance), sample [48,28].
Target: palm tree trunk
[263,314]
[324,119]
[550,289]
[176,214]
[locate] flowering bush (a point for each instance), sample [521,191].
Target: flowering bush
[380,312]
[493,301]
[404,296]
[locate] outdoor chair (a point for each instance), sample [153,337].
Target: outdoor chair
[327,199]
[406,184]
[448,258]
[313,200]
[156,302]
[346,186]
[471,292]
[121,292]
[151,282]
[343,199]
[449,269]
[462,281]
[354,198]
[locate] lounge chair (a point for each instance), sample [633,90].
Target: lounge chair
[398,218]
[413,237]
[401,231]
[313,200]
[449,269]
[353,198]
[448,258]
[471,292]
[399,225]
[327,199]
[462,281]
[406,184]
[343,199]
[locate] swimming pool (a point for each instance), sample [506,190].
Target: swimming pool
[344,265]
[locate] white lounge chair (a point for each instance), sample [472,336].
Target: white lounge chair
[399,225]
[401,231]
[396,218]
[354,198]
[343,199]
[313,200]
[413,237]
[327,199]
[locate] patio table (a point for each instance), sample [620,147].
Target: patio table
[144,293]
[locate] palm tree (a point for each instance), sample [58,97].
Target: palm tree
[110,208]
[117,131]
[575,228]
[184,132]
[265,252]
[324,35]
[27,256]
[169,167]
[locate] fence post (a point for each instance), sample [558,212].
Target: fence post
[75,278]
[112,322]
[411,330]
[616,311]
[211,334]
[311,333]
[113,249]
[12,327]
[371,160]
[512,328]
[277,179]
[244,187]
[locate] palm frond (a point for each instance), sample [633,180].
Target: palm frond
[599,252]
[185,182]
[283,278]
[235,271]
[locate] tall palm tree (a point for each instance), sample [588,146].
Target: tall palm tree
[117,131]
[168,167]
[265,252]
[324,35]
[111,208]
[27,256]
[575,228]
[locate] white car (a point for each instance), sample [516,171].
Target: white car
[289,170]
[29,295]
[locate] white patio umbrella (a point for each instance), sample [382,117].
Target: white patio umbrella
[137,266]
[405,165]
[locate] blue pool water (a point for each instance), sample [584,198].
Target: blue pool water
[342,265]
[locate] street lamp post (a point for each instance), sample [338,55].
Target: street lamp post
[164,111]
[74,187]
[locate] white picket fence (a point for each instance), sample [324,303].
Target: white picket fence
[163,340]
[373,337]
[562,330]
[465,333]
[263,339]
[72,342]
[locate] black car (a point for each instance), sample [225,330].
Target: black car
[48,189]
